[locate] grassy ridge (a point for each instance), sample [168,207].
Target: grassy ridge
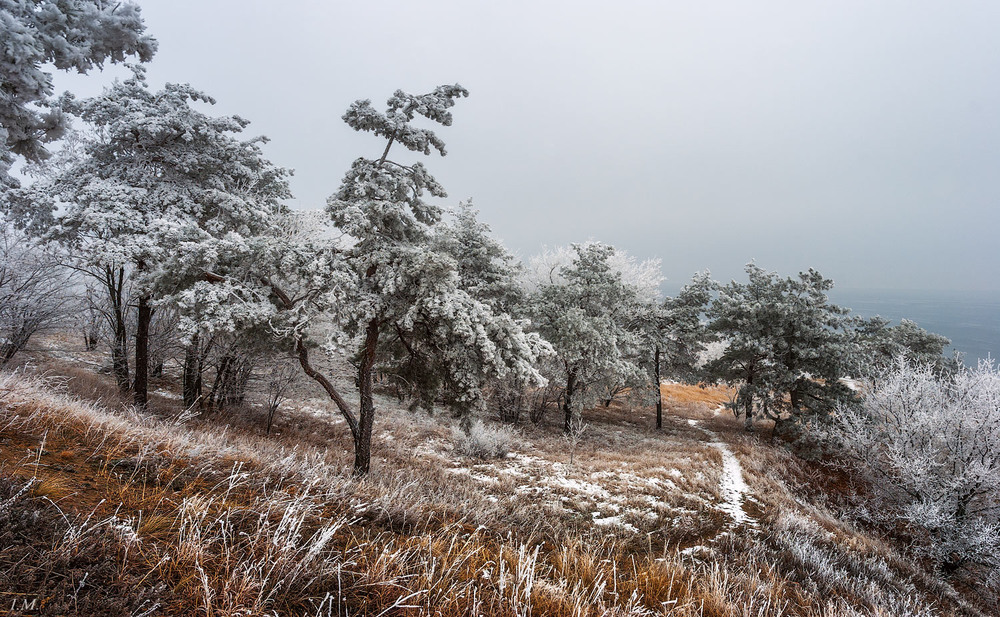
[161,514]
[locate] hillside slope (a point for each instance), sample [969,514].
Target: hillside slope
[112,512]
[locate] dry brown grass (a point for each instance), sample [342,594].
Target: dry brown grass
[707,394]
[212,517]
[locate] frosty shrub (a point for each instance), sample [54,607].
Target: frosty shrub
[484,442]
[930,447]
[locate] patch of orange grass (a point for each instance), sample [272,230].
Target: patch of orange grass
[702,393]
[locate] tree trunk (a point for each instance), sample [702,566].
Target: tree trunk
[230,384]
[303,355]
[7,351]
[215,395]
[748,413]
[363,437]
[115,283]
[235,392]
[141,386]
[192,373]
[568,401]
[659,391]
[89,339]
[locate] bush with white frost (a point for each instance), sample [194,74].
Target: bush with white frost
[930,447]
[484,442]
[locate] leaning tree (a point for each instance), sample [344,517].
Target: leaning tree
[377,289]
[401,307]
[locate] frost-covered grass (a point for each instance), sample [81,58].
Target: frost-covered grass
[206,515]
[483,441]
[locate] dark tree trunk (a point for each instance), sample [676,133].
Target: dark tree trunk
[115,282]
[230,385]
[141,386]
[659,391]
[235,391]
[215,395]
[795,398]
[568,401]
[192,373]
[303,355]
[748,412]
[363,437]
[748,407]
[89,340]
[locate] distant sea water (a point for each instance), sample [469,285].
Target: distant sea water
[970,319]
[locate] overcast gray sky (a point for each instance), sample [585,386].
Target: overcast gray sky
[861,138]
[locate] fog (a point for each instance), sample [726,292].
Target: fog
[859,138]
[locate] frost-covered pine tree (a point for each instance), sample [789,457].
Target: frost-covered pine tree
[155,194]
[380,288]
[404,310]
[878,345]
[589,313]
[785,345]
[486,269]
[76,35]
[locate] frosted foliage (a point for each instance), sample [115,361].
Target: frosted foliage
[159,186]
[784,344]
[383,189]
[585,313]
[76,35]
[644,277]
[311,226]
[440,333]
[713,351]
[484,442]
[878,345]
[395,125]
[931,447]
[34,290]
[383,199]
[486,270]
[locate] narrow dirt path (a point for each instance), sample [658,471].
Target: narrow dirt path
[732,488]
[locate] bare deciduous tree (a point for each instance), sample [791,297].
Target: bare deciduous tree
[34,290]
[930,446]
[276,385]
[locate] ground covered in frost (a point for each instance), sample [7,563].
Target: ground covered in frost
[205,514]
